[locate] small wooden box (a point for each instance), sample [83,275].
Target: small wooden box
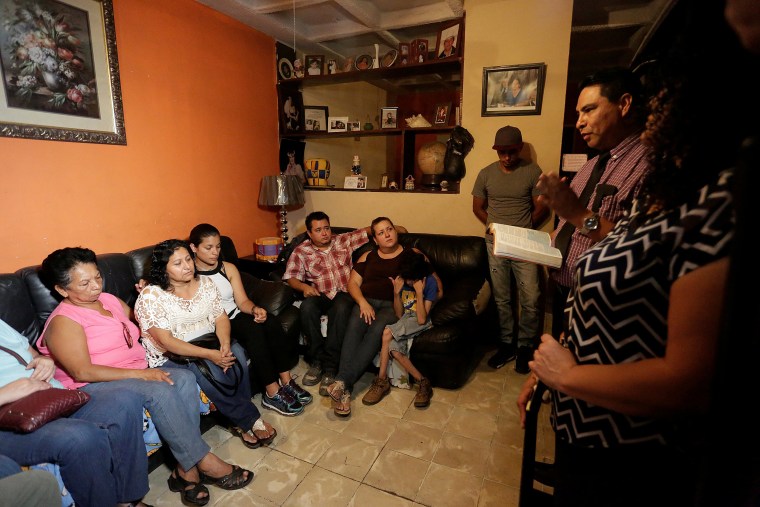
[419,50]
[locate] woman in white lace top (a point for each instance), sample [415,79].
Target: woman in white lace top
[178,306]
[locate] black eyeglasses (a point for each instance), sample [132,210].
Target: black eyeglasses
[127,335]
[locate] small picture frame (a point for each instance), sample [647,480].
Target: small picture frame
[285,69]
[357,182]
[448,40]
[315,118]
[315,65]
[441,114]
[292,112]
[354,126]
[332,67]
[419,48]
[389,117]
[404,53]
[337,124]
[363,62]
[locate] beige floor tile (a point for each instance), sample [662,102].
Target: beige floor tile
[308,443]
[350,457]
[471,423]
[322,488]
[368,496]
[395,403]
[504,465]
[397,473]
[277,476]
[435,416]
[371,427]
[320,413]
[495,494]
[415,440]
[480,396]
[463,454]
[446,487]
[440,395]
[508,430]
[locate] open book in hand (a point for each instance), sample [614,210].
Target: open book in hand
[523,244]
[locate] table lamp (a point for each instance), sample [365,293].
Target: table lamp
[281,190]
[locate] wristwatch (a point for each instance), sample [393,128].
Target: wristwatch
[590,223]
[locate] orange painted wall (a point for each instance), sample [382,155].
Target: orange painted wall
[200,109]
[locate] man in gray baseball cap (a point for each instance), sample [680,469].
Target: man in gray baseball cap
[505,193]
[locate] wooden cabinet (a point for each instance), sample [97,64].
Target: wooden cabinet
[415,88]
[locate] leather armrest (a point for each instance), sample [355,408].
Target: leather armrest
[274,297]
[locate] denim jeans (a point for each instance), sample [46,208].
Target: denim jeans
[526,276]
[326,351]
[99,449]
[362,342]
[238,408]
[173,409]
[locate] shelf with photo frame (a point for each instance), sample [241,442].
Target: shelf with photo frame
[415,88]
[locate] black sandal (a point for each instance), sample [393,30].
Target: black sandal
[189,496]
[233,480]
[248,443]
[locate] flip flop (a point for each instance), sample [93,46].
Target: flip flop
[248,443]
[233,480]
[261,426]
[189,496]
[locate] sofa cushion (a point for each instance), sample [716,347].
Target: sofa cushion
[17,309]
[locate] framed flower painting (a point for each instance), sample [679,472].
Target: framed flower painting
[60,71]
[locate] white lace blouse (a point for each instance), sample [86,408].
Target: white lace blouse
[185,319]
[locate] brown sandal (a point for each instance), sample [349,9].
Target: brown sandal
[264,432]
[233,480]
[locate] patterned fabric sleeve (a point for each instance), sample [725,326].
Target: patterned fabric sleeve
[296,265]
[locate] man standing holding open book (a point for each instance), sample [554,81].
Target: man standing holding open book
[505,193]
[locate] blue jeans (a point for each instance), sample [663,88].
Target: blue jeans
[238,408]
[526,276]
[99,449]
[326,351]
[362,342]
[173,409]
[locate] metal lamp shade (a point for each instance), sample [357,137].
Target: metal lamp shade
[282,190]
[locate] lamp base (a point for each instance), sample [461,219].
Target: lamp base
[432,181]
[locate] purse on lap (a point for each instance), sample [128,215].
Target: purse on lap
[211,341]
[39,408]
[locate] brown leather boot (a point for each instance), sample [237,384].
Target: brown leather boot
[377,391]
[424,393]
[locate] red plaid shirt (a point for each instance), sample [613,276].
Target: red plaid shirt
[328,270]
[625,170]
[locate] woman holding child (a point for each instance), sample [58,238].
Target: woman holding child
[92,339]
[261,334]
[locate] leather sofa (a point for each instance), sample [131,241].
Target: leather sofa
[449,352]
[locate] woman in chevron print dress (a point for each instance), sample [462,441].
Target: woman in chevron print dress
[631,380]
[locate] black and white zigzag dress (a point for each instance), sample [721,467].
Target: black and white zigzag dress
[620,301]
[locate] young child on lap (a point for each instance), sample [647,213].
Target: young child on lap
[412,286]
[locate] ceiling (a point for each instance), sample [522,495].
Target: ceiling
[604,32]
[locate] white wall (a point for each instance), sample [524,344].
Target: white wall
[506,32]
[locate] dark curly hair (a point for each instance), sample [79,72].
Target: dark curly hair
[413,265]
[56,267]
[613,83]
[692,128]
[162,252]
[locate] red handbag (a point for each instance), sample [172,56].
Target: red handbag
[34,410]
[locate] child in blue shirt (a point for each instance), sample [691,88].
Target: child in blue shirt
[414,292]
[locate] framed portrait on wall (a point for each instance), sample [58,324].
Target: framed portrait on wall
[513,89]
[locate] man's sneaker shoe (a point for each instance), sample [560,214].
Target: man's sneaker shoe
[524,354]
[377,391]
[298,392]
[328,379]
[505,354]
[282,403]
[313,375]
[424,393]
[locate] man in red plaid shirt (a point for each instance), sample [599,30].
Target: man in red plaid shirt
[319,268]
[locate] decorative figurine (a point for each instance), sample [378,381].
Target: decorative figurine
[409,183]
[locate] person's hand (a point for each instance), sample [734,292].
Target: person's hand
[140,285]
[44,368]
[366,312]
[557,195]
[222,360]
[419,285]
[259,314]
[551,361]
[398,283]
[526,393]
[311,291]
[22,387]
[156,375]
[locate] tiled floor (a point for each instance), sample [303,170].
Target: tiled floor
[463,450]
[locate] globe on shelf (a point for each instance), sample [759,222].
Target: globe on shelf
[430,161]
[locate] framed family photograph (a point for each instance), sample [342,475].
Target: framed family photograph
[60,71]
[448,40]
[337,124]
[513,89]
[315,65]
[389,117]
[315,118]
[441,116]
[354,126]
[404,53]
